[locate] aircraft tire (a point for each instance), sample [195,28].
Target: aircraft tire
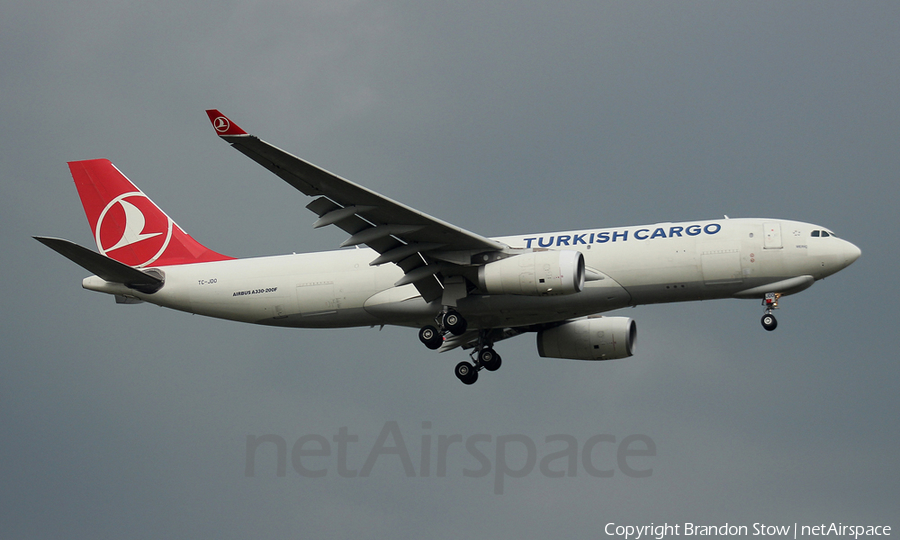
[454,322]
[769,322]
[489,358]
[430,336]
[466,373]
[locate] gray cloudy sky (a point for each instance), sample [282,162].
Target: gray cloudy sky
[504,118]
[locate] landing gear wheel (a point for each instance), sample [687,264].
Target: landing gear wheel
[489,359]
[454,323]
[770,302]
[430,336]
[466,373]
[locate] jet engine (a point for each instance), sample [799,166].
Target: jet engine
[539,273]
[594,338]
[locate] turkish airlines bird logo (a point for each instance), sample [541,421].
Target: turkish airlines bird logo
[132,230]
[221,124]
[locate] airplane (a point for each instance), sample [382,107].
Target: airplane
[460,289]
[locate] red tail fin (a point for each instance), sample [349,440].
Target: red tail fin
[127,226]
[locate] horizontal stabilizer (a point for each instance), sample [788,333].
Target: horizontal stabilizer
[104,267]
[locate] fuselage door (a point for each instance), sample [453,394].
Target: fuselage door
[773,235]
[316,296]
[721,264]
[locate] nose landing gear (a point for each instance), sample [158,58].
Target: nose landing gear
[769,322]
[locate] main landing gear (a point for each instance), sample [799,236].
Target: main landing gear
[483,356]
[430,336]
[447,321]
[769,322]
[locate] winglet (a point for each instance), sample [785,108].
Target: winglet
[222,124]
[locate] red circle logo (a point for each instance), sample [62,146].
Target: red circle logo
[221,124]
[132,230]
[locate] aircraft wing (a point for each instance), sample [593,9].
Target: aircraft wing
[425,247]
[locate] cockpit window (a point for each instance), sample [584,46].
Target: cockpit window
[815,234]
[825,233]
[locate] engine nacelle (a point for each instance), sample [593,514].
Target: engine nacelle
[539,273]
[598,338]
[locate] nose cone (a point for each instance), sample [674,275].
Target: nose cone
[849,253]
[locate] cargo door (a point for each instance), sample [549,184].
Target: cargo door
[721,264]
[316,297]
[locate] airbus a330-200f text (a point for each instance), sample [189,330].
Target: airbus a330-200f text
[459,288]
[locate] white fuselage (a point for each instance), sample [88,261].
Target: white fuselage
[664,262]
